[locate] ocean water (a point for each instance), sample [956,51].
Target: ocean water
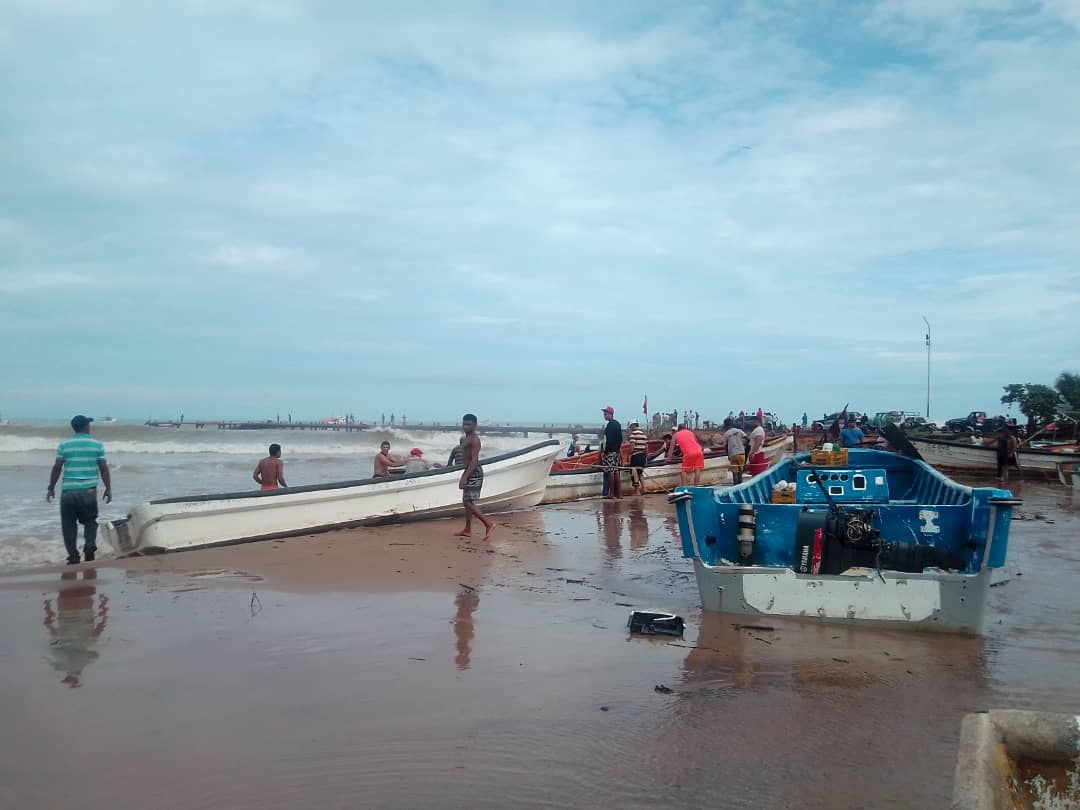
[148,463]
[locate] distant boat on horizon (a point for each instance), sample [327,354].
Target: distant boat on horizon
[107,420]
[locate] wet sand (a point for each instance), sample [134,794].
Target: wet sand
[400,668]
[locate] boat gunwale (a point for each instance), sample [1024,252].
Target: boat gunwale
[361,482]
[668,462]
[987,448]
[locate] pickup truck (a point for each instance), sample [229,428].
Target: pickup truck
[976,421]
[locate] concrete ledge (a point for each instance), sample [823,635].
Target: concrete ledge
[991,741]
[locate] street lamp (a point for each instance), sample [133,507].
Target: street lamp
[927,367]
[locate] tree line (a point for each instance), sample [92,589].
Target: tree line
[1042,404]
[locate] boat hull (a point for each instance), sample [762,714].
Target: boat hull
[512,481]
[658,477]
[960,456]
[948,602]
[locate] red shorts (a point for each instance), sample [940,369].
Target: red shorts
[694,462]
[266,487]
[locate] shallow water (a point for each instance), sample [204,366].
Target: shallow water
[521,690]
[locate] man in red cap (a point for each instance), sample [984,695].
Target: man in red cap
[611,453]
[417,463]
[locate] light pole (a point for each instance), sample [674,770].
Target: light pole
[927,367]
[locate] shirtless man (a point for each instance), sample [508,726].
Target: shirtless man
[472,479]
[270,472]
[384,461]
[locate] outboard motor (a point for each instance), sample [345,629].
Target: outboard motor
[832,541]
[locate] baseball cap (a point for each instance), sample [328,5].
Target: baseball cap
[80,421]
[609,409]
[416,451]
[633,423]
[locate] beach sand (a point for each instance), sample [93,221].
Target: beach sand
[398,667]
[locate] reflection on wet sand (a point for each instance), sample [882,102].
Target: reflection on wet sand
[609,520]
[75,624]
[467,600]
[639,525]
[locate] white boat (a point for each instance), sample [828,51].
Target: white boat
[977,457]
[511,481]
[659,476]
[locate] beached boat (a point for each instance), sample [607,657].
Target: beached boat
[511,481]
[592,457]
[659,476]
[949,455]
[884,539]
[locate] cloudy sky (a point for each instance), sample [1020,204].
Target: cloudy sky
[241,207]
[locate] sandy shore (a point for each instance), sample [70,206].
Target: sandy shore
[399,667]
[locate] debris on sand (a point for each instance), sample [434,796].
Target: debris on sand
[663,690]
[651,623]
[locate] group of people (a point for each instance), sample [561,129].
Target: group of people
[270,472]
[682,444]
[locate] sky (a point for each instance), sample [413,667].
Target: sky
[235,208]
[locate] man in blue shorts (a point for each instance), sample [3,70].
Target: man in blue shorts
[82,461]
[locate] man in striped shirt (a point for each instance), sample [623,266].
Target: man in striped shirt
[82,460]
[639,447]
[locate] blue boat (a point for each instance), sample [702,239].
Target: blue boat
[883,539]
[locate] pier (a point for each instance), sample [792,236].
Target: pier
[525,431]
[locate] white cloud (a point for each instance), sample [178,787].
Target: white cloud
[257,256]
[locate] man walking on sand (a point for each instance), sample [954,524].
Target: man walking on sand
[270,472]
[472,479]
[82,461]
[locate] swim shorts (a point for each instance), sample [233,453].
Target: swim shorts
[637,466]
[473,484]
[268,487]
[610,462]
[694,462]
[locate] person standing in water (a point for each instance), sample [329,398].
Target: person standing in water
[82,461]
[472,479]
[270,472]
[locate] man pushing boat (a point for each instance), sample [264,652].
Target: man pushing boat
[472,479]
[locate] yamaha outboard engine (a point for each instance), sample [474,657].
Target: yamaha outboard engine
[832,541]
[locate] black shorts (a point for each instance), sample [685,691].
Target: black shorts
[638,460]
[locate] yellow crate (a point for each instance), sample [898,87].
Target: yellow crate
[829,458]
[783,496]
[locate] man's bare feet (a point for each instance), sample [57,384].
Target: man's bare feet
[490,529]
[463,533]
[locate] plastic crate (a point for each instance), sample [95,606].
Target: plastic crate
[829,458]
[783,495]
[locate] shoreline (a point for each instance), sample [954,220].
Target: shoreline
[396,667]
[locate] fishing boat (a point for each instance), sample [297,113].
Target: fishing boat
[591,458]
[949,455]
[883,539]
[659,476]
[511,481]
